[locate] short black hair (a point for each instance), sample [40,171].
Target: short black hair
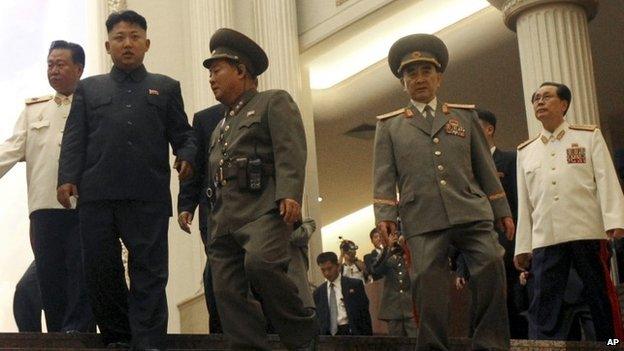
[77,53]
[487,116]
[563,93]
[128,16]
[372,233]
[327,257]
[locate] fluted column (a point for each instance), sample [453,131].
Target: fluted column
[554,45]
[205,18]
[276,31]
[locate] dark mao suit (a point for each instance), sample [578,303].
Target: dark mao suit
[116,150]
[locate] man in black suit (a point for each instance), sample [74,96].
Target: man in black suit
[115,155]
[193,193]
[341,302]
[371,258]
[505,162]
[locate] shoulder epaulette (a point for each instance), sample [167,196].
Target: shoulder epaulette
[588,127]
[446,106]
[525,143]
[36,100]
[391,114]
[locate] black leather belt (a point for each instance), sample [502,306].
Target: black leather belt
[230,171]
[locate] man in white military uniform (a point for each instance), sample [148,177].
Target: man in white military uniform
[54,231]
[569,203]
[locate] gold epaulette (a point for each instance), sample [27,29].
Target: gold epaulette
[525,143]
[587,127]
[446,106]
[391,114]
[36,100]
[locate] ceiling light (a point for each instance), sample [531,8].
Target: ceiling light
[372,44]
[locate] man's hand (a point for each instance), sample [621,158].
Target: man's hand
[185,170]
[185,219]
[522,261]
[385,229]
[460,283]
[64,194]
[506,224]
[290,210]
[617,233]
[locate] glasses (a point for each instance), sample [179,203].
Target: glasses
[545,98]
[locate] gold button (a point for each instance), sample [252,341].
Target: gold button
[231,113]
[554,182]
[227,128]
[438,153]
[556,198]
[440,167]
[401,291]
[436,140]
[225,144]
[552,154]
[553,168]
[224,182]
[443,182]
[220,162]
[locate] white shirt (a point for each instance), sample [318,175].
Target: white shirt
[342,310]
[567,189]
[421,106]
[37,140]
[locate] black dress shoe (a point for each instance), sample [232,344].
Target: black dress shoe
[119,345]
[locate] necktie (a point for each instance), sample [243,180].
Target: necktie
[333,310]
[428,115]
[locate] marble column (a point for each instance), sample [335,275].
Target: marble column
[554,45]
[275,30]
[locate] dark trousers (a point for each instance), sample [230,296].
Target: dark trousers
[56,244]
[27,304]
[138,314]
[257,255]
[550,271]
[214,323]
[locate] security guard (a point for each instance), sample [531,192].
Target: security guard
[397,305]
[569,203]
[54,232]
[257,162]
[437,157]
[115,155]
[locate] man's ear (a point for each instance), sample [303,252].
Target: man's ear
[107,46]
[147,44]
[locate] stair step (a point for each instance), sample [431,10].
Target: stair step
[188,342]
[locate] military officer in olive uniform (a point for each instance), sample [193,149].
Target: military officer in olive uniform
[397,306]
[437,157]
[257,161]
[115,156]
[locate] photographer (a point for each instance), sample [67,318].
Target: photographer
[351,266]
[397,308]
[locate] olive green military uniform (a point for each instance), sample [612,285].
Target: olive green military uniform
[249,238]
[449,194]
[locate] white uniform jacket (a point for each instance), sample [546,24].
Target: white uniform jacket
[37,140]
[567,188]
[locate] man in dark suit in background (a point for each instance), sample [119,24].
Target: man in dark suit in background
[341,302]
[371,258]
[115,152]
[505,162]
[193,193]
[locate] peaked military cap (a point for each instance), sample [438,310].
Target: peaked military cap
[227,43]
[417,48]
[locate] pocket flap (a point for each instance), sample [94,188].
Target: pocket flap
[101,101]
[250,120]
[406,198]
[157,100]
[40,124]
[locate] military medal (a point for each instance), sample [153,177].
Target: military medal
[576,154]
[454,128]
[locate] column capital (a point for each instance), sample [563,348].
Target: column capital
[513,8]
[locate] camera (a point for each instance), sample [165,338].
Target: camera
[347,245]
